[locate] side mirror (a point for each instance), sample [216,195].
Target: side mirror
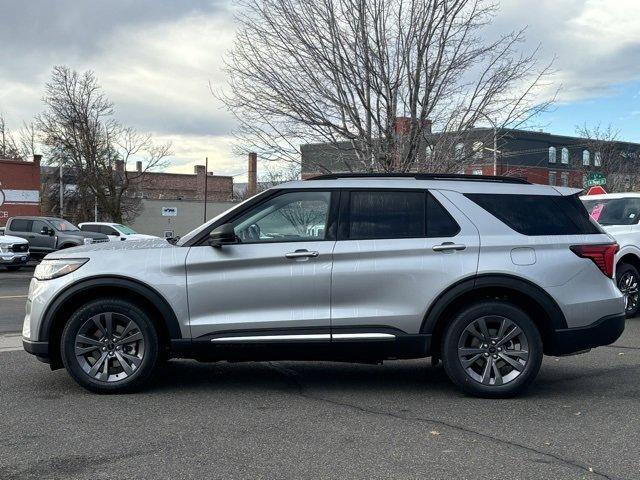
[222,235]
[114,234]
[47,231]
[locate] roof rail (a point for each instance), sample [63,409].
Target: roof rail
[425,176]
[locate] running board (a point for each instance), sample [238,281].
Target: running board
[312,337]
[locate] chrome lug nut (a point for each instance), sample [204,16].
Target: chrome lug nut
[495,357]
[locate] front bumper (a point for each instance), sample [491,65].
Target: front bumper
[14,258]
[39,349]
[571,340]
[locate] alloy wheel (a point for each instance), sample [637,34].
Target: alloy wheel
[109,346]
[628,285]
[493,350]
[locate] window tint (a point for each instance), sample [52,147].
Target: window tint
[614,211]
[38,225]
[291,217]
[439,222]
[386,214]
[90,228]
[19,225]
[538,214]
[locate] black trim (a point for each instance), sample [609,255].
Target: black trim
[39,349]
[150,294]
[602,332]
[469,284]
[425,176]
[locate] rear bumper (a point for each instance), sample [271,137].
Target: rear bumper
[602,332]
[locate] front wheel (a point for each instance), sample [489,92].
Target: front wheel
[492,349]
[627,278]
[110,346]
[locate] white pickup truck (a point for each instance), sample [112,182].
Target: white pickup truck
[14,252]
[619,215]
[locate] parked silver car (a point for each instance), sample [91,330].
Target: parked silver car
[484,273]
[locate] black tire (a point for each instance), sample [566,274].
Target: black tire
[14,268]
[492,311]
[119,309]
[623,272]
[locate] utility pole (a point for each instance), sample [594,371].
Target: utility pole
[206,184]
[61,193]
[495,142]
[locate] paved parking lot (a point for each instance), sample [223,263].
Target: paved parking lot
[293,420]
[13,294]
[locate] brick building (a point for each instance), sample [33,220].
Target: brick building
[538,157]
[181,186]
[19,188]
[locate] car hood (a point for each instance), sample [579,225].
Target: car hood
[617,229]
[5,239]
[151,243]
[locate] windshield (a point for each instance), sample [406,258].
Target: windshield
[63,225]
[126,230]
[614,211]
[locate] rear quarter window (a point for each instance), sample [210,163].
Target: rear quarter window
[20,225]
[536,215]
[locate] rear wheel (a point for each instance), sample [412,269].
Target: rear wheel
[110,346]
[492,349]
[628,279]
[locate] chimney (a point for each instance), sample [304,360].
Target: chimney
[426,127]
[37,159]
[252,186]
[201,178]
[139,166]
[119,166]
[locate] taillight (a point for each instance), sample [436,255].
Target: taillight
[602,255]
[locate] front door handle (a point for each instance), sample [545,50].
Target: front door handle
[448,246]
[302,254]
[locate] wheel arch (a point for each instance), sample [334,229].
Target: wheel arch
[86,290]
[631,258]
[538,304]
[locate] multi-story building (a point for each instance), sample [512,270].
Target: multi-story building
[19,188]
[538,157]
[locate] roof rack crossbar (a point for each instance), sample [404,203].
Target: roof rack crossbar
[426,176]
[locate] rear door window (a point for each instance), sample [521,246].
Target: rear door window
[536,215]
[439,222]
[386,214]
[20,225]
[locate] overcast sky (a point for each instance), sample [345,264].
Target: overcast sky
[155,59]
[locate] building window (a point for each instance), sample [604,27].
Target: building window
[476,171]
[459,151]
[597,159]
[552,154]
[565,155]
[478,149]
[586,158]
[552,178]
[564,179]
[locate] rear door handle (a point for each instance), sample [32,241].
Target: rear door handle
[302,254]
[448,246]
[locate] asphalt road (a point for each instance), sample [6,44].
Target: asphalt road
[13,295]
[288,420]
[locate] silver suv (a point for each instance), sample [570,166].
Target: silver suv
[486,274]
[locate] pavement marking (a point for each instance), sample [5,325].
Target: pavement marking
[13,296]
[10,342]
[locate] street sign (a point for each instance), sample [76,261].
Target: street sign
[595,178]
[597,190]
[169,211]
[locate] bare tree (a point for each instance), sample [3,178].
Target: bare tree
[341,72]
[9,148]
[618,161]
[80,132]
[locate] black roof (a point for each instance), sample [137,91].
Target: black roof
[425,176]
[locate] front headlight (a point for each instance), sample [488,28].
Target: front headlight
[88,241]
[49,269]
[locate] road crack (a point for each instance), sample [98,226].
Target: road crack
[294,379]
